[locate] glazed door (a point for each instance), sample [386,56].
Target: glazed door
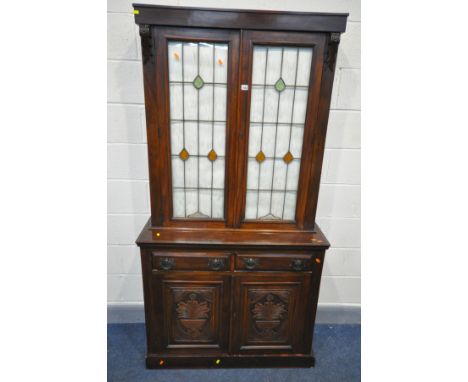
[197,72]
[280,93]
[192,311]
[234,132]
[272,314]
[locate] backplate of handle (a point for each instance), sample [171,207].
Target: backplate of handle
[216,263]
[167,263]
[251,263]
[298,264]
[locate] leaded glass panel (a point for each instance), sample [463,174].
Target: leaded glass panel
[198,96]
[280,86]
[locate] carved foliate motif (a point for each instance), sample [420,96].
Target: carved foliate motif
[269,310]
[268,315]
[193,314]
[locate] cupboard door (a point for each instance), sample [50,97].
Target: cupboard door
[273,314]
[283,74]
[192,311]
[198,70]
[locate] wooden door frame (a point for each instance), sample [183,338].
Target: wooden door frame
[316,41]
[158,113]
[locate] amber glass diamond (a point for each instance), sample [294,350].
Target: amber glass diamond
[260,157]
[280,85]
[288,157]
[184,155]
[212,155]
[198,82]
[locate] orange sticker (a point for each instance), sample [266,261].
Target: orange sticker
[176,55]
[220,61]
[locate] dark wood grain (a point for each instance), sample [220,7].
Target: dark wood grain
[240,19]
[161,157]
[229,292]
[308,166]
[320,132]
[281,261]
[213,237]
[191,261]
[194,312]
[270,312]
[158,361]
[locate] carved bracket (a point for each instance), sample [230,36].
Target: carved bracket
[145,30]
[146,42]
[335,37]
[330,55]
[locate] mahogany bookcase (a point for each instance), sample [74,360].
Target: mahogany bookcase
[237,105]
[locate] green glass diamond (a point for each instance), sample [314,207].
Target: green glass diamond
[198,82]
[280,85]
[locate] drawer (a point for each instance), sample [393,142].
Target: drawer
[276,262]
[190,261]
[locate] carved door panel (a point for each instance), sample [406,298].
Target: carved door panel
[273,314]
[192,311]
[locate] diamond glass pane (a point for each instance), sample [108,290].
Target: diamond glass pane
[198,82]
[198,97]
[280,84]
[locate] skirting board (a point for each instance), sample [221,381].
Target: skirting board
[122,313]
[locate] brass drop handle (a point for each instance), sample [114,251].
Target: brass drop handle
[298,264]
[216,264]
[167,263]
[251,263]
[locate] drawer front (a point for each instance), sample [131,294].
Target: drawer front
[277,262]
[190,261]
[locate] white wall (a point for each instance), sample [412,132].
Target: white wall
[128,194]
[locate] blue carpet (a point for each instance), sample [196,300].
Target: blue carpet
[337,353]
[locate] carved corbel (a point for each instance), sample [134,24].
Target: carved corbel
[335,37]
[330,56]
[146,42]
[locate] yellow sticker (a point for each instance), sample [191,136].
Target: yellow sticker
[136,12]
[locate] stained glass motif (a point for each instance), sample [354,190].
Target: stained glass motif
[198,99]
[288,157]
[280,85]
[212,156]
[198,82]
[184,155]
[260,157]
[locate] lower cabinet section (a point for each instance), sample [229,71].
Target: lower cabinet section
[229,317]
